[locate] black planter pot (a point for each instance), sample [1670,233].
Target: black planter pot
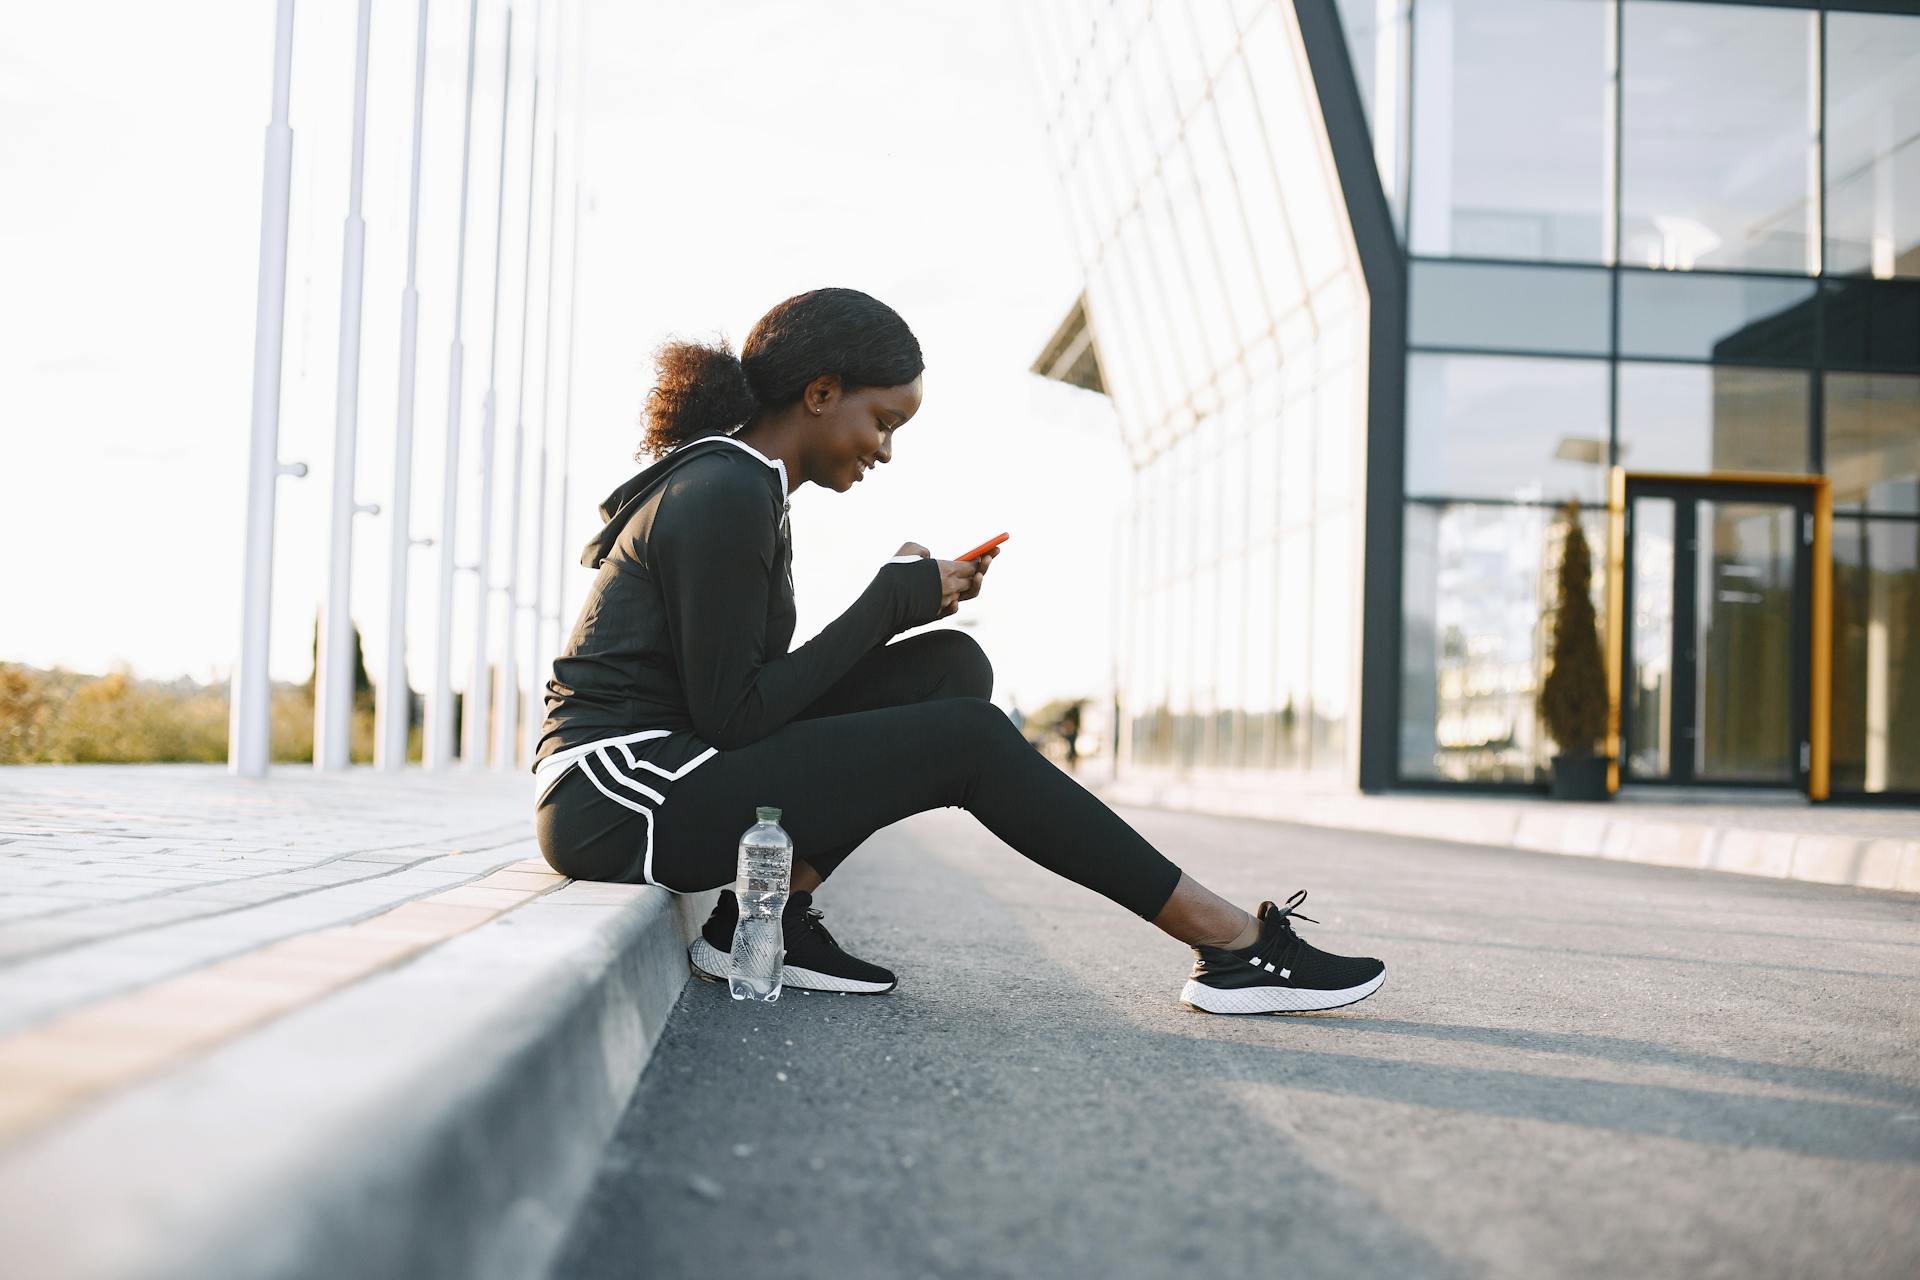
[1580,778]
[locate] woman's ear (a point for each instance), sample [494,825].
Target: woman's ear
[821,393]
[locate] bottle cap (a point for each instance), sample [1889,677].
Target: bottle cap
[767,813]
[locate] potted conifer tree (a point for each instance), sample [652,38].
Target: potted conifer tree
[1573,698]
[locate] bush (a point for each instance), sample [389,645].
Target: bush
[63,717]
[58,717]
[1573,697]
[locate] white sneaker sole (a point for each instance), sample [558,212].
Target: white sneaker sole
[710,964]
[1198,995]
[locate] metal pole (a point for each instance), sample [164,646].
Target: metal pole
[333,721]
[566,418]
[250,694]
[536,674]
[393,708]
[437,750]
[507,737]
[480,688]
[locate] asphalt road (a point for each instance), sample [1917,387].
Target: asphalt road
[1575,1068]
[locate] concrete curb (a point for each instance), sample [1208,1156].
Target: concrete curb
[1613,831]
[442,1118]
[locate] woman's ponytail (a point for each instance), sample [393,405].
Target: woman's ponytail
[699,389]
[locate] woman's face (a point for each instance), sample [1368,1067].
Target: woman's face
[855,430]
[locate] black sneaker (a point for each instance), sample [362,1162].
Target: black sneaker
[1280,973]
[814,962]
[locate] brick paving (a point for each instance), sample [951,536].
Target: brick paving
[149,912]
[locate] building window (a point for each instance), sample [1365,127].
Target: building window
[1873,150]
[1871,324]
[1479,583]
[1876,655]
[1732,318]
[1551,310]
[1719,130]
[1506,427]
[1700,418]
[1499,79]
[1376,35]
[1873,441]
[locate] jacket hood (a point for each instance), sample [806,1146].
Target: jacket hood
[618,507]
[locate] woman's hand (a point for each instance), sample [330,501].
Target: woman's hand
[980,576]
[959,579]
[956,577]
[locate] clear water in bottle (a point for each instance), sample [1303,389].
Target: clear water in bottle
[765,871]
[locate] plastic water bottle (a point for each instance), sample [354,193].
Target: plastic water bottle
[759,948]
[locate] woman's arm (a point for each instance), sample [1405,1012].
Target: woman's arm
[714,549]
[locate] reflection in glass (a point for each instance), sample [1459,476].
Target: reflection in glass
[1376,34]
[1744,617]
[1649,692]
[1125,368]
[1699,418]
[1213,30]
[1242,380]
[1180,322]
[1495,80]
[1479,582]
[1290,109]
[1170,32]
[1871,324]
[1296,602]
[1169,381]
[1262,619]
[1719,133]
[1748,319]
[1876,655]
[1215,177]
[1220,330]
[1340,431]
[1557,310]
[1334,574]
[1273,251]
[1873,441]
[1506,427]
[1873,145]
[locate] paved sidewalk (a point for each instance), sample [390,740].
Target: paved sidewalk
[1772,834]
[1577,1067]
[316,1024]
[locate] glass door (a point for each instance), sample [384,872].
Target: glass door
[1718,610]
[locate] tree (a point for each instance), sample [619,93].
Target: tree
[1573,698]
[362,682]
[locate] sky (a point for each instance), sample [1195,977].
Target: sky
[728,154]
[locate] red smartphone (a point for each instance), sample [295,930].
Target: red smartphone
[983,548]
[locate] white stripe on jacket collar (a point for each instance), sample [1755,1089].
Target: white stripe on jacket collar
[775,463]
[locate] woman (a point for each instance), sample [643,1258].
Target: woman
[676,707]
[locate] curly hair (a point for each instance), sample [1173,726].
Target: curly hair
[702,388]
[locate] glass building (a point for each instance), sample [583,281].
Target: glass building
[1378,286]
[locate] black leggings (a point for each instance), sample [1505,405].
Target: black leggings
[907,730]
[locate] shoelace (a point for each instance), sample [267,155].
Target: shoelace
[1292,908]
[812,921]
[1280,947]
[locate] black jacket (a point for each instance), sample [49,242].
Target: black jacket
[687,624]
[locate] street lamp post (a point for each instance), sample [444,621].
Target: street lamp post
[251,691]
[507,739]
[536,675]
[480,693]
[393,712]
[566,414]
[334,666]
[437,751]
